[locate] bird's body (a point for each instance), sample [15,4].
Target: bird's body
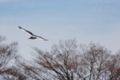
[32,35]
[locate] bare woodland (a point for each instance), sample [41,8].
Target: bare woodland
[67,60]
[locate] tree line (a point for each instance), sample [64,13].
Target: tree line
[67,60]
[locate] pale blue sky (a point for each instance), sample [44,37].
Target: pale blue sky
[85,20]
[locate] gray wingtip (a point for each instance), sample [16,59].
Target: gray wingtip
[20,27]
[45,39]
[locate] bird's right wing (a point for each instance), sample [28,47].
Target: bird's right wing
[41,38]
[26,30]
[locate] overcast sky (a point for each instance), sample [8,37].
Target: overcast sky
[85,20]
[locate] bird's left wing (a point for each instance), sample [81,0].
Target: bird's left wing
[26,30]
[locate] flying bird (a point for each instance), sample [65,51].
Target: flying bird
[32,35]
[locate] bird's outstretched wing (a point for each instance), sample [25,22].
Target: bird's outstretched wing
[41,38]
[26,30]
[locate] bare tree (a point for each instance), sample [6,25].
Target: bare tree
[68,61]
[96,57]
[59,64]
[114,67]
[8,53]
